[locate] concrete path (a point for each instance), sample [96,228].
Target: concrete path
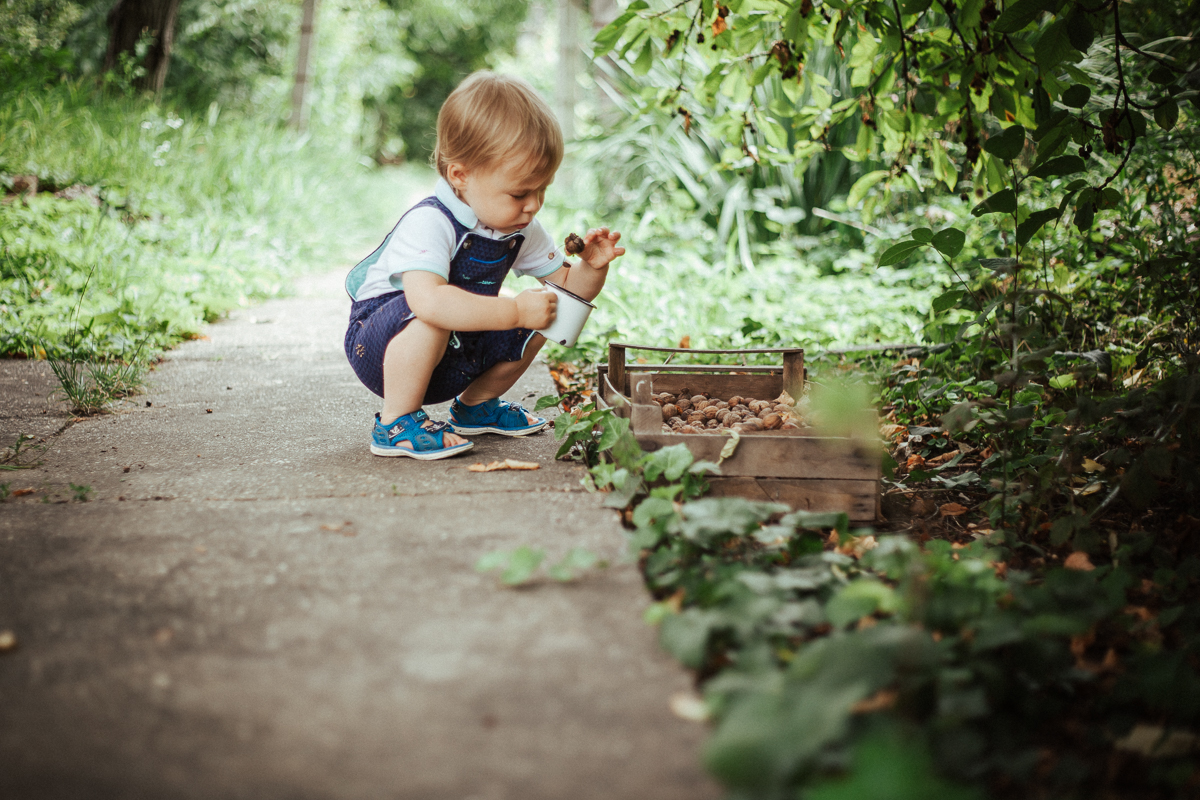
[250,605]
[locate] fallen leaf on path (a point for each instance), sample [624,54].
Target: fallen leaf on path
[1092,466]
[952,510]
[921,506]
[508,463]
[915,461]
[892,431]
[340,527]
[689,706]
[880,701]
[1079,561]
[22,492]
[1153,741]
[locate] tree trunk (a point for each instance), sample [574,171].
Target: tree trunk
[130,20]
[568,58]
[299,119]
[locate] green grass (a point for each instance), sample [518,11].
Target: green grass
[172,221]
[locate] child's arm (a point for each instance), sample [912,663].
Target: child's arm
[587,279]
[450,308]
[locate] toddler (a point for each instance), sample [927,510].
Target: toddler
[427,324]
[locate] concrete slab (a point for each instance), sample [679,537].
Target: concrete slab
[251,605]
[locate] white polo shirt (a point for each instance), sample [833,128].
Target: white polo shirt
[424,240]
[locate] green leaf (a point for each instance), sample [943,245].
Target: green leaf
[1034,222]
[685,635]
[651,510]
[1002,202]
[523,562]
[607,37]
[1007,145]
[922,235]
[1053,47]
[898,252]
[949,242]
[1064,381]
[1063,165]
[760,74]
[1162,75]
[575,561]
[859,190]
[1017,16]
[1080,31]
[1084,214]
[547,401]
[859,599]
[1076,95]
[1167,114]
[645,59]
[670,462]
[490,561]
[947,300]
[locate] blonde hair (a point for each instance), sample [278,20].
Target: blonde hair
[491,117]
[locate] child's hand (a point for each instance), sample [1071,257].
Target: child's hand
[536,308]
[600,247]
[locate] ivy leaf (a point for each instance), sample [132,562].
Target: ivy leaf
[947,300]
[922,235]
[949,242]
[898,252]
[670,462]
[1017,16]
[1076,95]
[576,560]
[1167,115]
[1007,145]
[523,562]
[1002,202]
[1063,165]
[546,402]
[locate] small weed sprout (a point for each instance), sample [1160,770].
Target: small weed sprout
[5,491]
[81,492]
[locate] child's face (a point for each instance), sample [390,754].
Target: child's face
[504,196]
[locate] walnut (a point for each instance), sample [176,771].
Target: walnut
[670,410]
[772,421]
[575,244]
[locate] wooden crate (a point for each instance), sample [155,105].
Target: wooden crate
[798,467]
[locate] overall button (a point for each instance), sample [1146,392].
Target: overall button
[467,245]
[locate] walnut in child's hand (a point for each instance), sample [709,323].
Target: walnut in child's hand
[575,244]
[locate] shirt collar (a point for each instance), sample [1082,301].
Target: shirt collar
[461,211]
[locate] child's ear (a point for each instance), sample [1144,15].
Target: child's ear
[456,175]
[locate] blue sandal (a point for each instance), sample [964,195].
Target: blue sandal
[427,438]
[493,416]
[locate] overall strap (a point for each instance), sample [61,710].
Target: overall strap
[358,273]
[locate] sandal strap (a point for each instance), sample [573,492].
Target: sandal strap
[501,413]
[424,437]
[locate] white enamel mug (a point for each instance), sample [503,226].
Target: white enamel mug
[571,314]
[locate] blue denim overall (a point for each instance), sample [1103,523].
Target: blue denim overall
[479,266]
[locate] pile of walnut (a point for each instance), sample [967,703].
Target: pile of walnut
[702,414]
